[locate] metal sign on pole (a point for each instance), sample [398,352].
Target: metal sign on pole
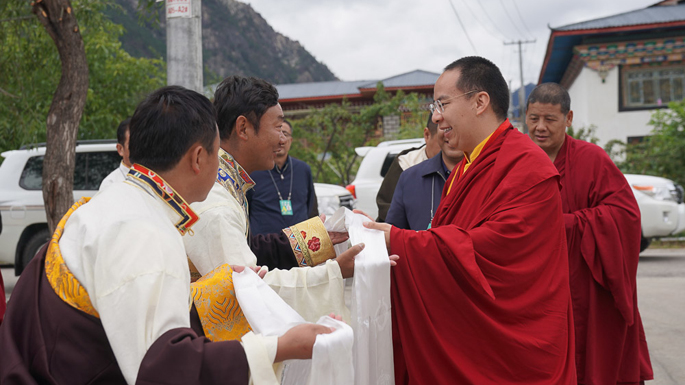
[179,8]
[184,43]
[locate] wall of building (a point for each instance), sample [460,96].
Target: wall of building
[391,126]
[596,103]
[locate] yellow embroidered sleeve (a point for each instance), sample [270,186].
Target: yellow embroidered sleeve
[218,308]
[310,242]
[63,282]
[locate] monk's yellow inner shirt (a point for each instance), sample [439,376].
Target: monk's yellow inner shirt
[470,158]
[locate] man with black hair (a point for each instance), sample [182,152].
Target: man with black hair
[108,300]
[250,125]
[284,195]
[119,174]
[602,221]
[402,162]
[482,297]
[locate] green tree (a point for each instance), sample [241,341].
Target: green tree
[584,133]
[37,104]
[662,153]
[326,139]
[30,67]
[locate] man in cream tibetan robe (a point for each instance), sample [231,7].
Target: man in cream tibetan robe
[109,301]
[250,119]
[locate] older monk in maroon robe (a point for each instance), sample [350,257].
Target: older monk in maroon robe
[603,232]
[483,297]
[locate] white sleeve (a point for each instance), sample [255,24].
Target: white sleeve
[260,352]
[219,236]
[109,180]
[312,291]
[141,290]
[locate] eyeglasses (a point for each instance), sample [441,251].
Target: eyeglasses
[439,106]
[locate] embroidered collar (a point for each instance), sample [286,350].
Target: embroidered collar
[236,181]
[232,174]
[162,189]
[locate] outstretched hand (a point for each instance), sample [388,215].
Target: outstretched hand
[335,236]
[298,342]
[384,227]
[357,211]
[338,237]
[346,260]
[257,269]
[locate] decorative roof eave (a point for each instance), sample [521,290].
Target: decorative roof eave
[364,92]
[584,32]
[409,88]
[321,98]
[622,28]
[572,72]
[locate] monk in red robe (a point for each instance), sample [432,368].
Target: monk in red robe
[602,222]
[483,296]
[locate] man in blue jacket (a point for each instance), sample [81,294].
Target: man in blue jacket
[418,191]
[284,195]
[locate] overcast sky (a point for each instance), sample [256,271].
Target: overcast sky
[376,39]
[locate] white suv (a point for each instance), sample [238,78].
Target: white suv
[661,206]
[23,227]
[372,170]
[660,200]
[330,197]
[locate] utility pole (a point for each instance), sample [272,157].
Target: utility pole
[522,90]
[510,113]
[184,43]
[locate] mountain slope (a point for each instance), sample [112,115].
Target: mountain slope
[236,40]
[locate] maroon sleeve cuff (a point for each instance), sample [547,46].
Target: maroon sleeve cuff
[179,356]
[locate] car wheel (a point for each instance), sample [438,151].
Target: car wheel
[644,243]
[32,247]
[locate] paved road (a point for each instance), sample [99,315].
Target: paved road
[661,298]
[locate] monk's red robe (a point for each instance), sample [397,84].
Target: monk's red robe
[483,296]
[44,340]
[603,232]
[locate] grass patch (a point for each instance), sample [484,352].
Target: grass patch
[676,241]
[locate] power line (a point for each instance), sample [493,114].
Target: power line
[473,14]
[510,19]
[531,67]
[521,18]
[480,3]
[462,27]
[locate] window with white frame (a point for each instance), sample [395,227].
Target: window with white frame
[652,87]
